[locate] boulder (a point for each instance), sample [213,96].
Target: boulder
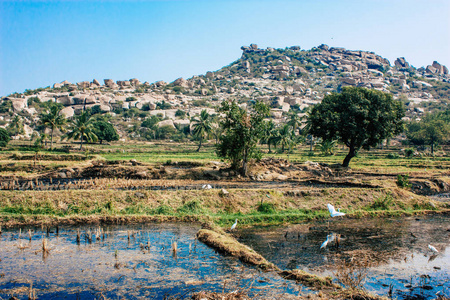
[135,82]
[105,108]
[181,82]
[401,63]
[431,69]
[65,100]
[83,84]
[324,47]
[68,112]
[19,103]
[57,85]
[65,82]
[350,81]
[166,123]
[91,100]
[95,82]
[209,75]
[109,82]
[181,123]
[160,83]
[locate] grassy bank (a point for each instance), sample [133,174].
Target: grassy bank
[251,207]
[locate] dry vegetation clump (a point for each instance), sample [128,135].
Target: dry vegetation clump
[235,295]
[309,280]
[230,246]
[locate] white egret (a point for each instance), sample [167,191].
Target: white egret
[234,225]
[433,249]
[330,238]
[206,187]
[333,211]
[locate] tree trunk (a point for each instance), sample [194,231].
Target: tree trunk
[199,146]
[244,164]
[270,151]
[310,143]
[81,143]
[51,139]
[350,155]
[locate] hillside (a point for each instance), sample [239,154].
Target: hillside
[286,79]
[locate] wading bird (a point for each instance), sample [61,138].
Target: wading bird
[333,211]
[330,238]
[234,225]
[433,249]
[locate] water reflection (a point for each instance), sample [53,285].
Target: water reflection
[397,250]
[119,261]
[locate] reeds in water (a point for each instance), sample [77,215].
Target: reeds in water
[174,248]
[29,234]
[45,247]
[78,236]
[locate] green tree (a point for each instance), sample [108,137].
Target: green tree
[16,126]
[294,120]
[201,127]
[431,130]
[105,131]
[242,132]
[4,137]
[357,117]
[327,147]
[269,134]
[53,119]
[82,128]
[286,137]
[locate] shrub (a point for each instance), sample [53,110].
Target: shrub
[403,181]
[382,203]
[266,208]
[392,156]
[409,152]
[4,137]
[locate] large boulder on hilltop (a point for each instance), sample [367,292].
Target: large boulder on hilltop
[84,84]
[95,82]
[160,83]
[324,47]
[65,82]
[181,82]
[431,69]
[401,63]
[135,82]
[440,69]
[79,99]
[109,82]
[68,112]
[57,85]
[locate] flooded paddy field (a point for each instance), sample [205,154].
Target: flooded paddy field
[124,262]
[392,255]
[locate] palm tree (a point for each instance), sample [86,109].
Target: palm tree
[52,119]
[269,134]
[82,128]
[286,137]
[201,127]
[294,120]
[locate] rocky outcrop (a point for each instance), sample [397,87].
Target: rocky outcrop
[401,63]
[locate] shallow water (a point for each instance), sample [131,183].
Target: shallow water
[395,249]
[120,265]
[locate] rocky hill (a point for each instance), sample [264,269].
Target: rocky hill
[286,79]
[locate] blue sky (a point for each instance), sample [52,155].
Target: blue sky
[43,42]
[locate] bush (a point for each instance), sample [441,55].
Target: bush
[403,181]
[4,137]
[266,208]
[392,156]
[409,152]
[382,203]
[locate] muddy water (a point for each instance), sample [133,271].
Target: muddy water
[394,251]
[126,263]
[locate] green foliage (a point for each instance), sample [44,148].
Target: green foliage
[180,113]
[201,126]
[15,127]
[129,99]
[266,208]
[327,147]
[382,203]
[6,106]
[392,156]
[82,128]
[105,131]
[409,152]
[163,210]
[52,118]
[192,207]
[151,122]
[242,132]
[403,181]
[163,105]
[4,137]
[357,117]
[432,130]
[33,100]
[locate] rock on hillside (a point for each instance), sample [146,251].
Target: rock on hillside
[286,79]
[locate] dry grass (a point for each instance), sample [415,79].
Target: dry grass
[230,246]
